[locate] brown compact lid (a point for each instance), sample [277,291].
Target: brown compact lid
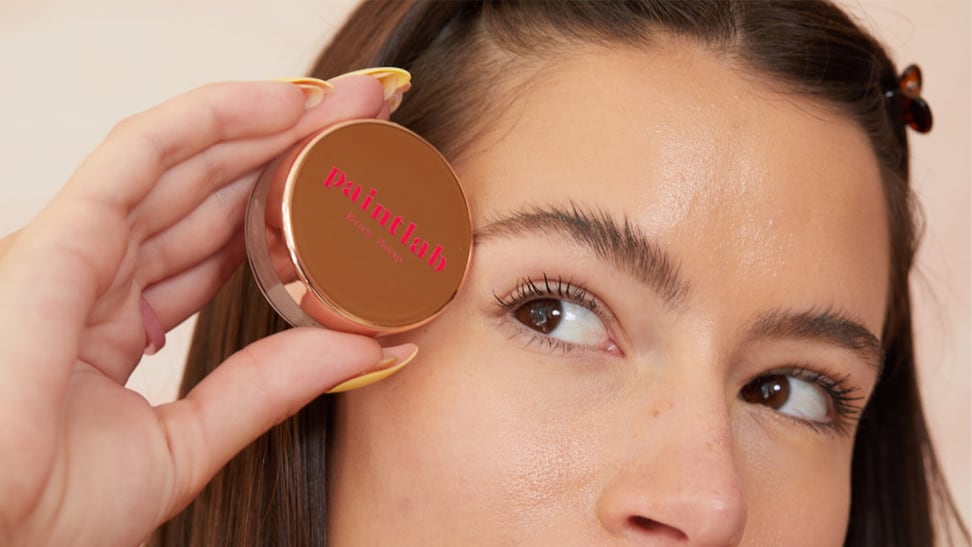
[376,226]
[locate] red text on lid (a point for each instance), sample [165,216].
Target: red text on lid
[403,231]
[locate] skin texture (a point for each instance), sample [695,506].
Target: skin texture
[765,201]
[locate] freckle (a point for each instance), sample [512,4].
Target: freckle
[658,411]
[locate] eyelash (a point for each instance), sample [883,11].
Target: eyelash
[528,290]
[838,388]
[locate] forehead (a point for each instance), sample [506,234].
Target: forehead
[740,182]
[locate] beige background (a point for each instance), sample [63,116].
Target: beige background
[71,69]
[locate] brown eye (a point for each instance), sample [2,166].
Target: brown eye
[542,315]
[571,324]
[790,395]
[772,391]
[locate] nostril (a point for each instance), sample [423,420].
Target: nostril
[657,529]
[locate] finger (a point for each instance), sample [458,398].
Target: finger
[184,186]
[48,285]
[141,148]
[255,389]
[111,340]
[151,312]
[178,297]
[196,237]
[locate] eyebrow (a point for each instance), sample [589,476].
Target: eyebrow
[826,326]
[623,244]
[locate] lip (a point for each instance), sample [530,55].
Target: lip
[362,227]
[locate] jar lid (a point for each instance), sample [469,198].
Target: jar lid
[367,229]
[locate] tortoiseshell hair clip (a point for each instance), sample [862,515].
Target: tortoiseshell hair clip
[905,103]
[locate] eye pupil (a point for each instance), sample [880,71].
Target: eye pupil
[772,391]
[542,315]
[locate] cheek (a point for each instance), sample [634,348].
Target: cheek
[465,423]
[797,496]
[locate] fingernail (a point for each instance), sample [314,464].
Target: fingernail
[154,331]
[394,360]
[396,99]
[395,82]
[313,89]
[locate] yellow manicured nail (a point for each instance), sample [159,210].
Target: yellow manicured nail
[385,368]
[395,82]
[313,89]
[396,99]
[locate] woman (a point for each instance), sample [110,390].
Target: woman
[687,320]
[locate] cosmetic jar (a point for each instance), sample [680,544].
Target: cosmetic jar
[362,227]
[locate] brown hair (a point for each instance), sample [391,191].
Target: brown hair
[274,493]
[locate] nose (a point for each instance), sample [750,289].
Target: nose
[677,482]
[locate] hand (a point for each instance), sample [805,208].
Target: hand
[142,236]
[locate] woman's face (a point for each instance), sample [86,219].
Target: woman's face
[667,329]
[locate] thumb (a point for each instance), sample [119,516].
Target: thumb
[255,389]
